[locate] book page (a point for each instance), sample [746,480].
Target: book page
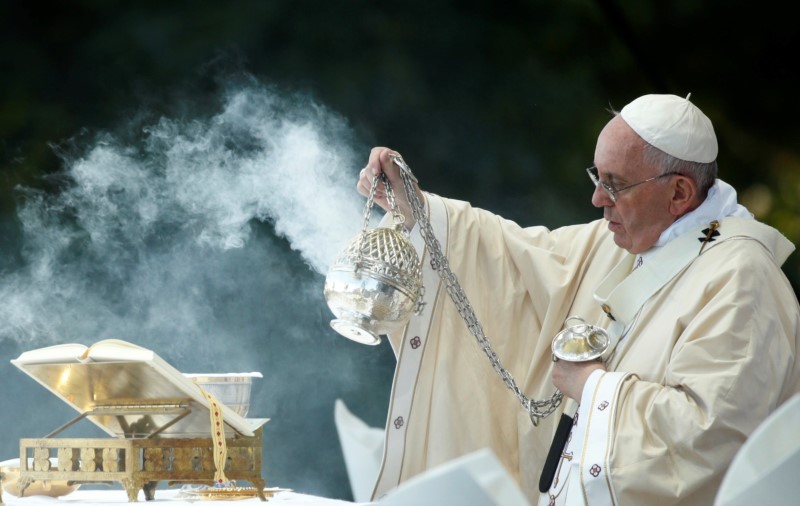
[110,350]
[59,353]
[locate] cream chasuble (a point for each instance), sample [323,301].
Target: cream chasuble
[720,334]
[581,473]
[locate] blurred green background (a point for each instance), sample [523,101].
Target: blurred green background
[498,103]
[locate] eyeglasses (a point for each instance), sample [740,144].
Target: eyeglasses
[612,192]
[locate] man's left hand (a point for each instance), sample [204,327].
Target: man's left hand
[570,377]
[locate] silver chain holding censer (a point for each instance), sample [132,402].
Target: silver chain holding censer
[536,409]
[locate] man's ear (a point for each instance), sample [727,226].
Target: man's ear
[684,196]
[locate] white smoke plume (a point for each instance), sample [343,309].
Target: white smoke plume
[142,240]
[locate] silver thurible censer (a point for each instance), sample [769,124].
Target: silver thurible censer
[375,284]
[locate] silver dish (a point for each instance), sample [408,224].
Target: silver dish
[232,390]
[580,341]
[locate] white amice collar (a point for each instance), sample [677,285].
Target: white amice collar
[720,203]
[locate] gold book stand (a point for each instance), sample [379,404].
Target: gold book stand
[159,420]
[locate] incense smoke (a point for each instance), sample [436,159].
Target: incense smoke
[138,228]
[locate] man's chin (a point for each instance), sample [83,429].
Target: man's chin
[621,240]
[620,236]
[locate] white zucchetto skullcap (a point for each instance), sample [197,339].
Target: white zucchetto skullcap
[673,125]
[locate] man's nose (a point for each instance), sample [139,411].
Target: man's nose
[601,198]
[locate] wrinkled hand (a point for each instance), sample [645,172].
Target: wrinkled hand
[380,162]
[570,377]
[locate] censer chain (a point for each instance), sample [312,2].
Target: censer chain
[537,410]
[396,214]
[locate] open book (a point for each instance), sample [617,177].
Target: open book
[107,350]
[128,390]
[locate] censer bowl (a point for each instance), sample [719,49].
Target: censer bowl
[374,286]
[366,305]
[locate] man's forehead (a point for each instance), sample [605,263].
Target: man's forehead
[619,153]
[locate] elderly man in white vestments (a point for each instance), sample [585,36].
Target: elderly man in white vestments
[688,285]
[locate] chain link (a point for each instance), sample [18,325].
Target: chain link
[365,222]
[536,409]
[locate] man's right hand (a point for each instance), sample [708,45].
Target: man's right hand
[380,162]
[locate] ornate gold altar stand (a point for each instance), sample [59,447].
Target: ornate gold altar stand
[139,464]
[162,425]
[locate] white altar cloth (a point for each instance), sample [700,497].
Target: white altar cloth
[169,496]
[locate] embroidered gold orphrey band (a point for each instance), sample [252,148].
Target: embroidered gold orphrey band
[623,293]
[220,449]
